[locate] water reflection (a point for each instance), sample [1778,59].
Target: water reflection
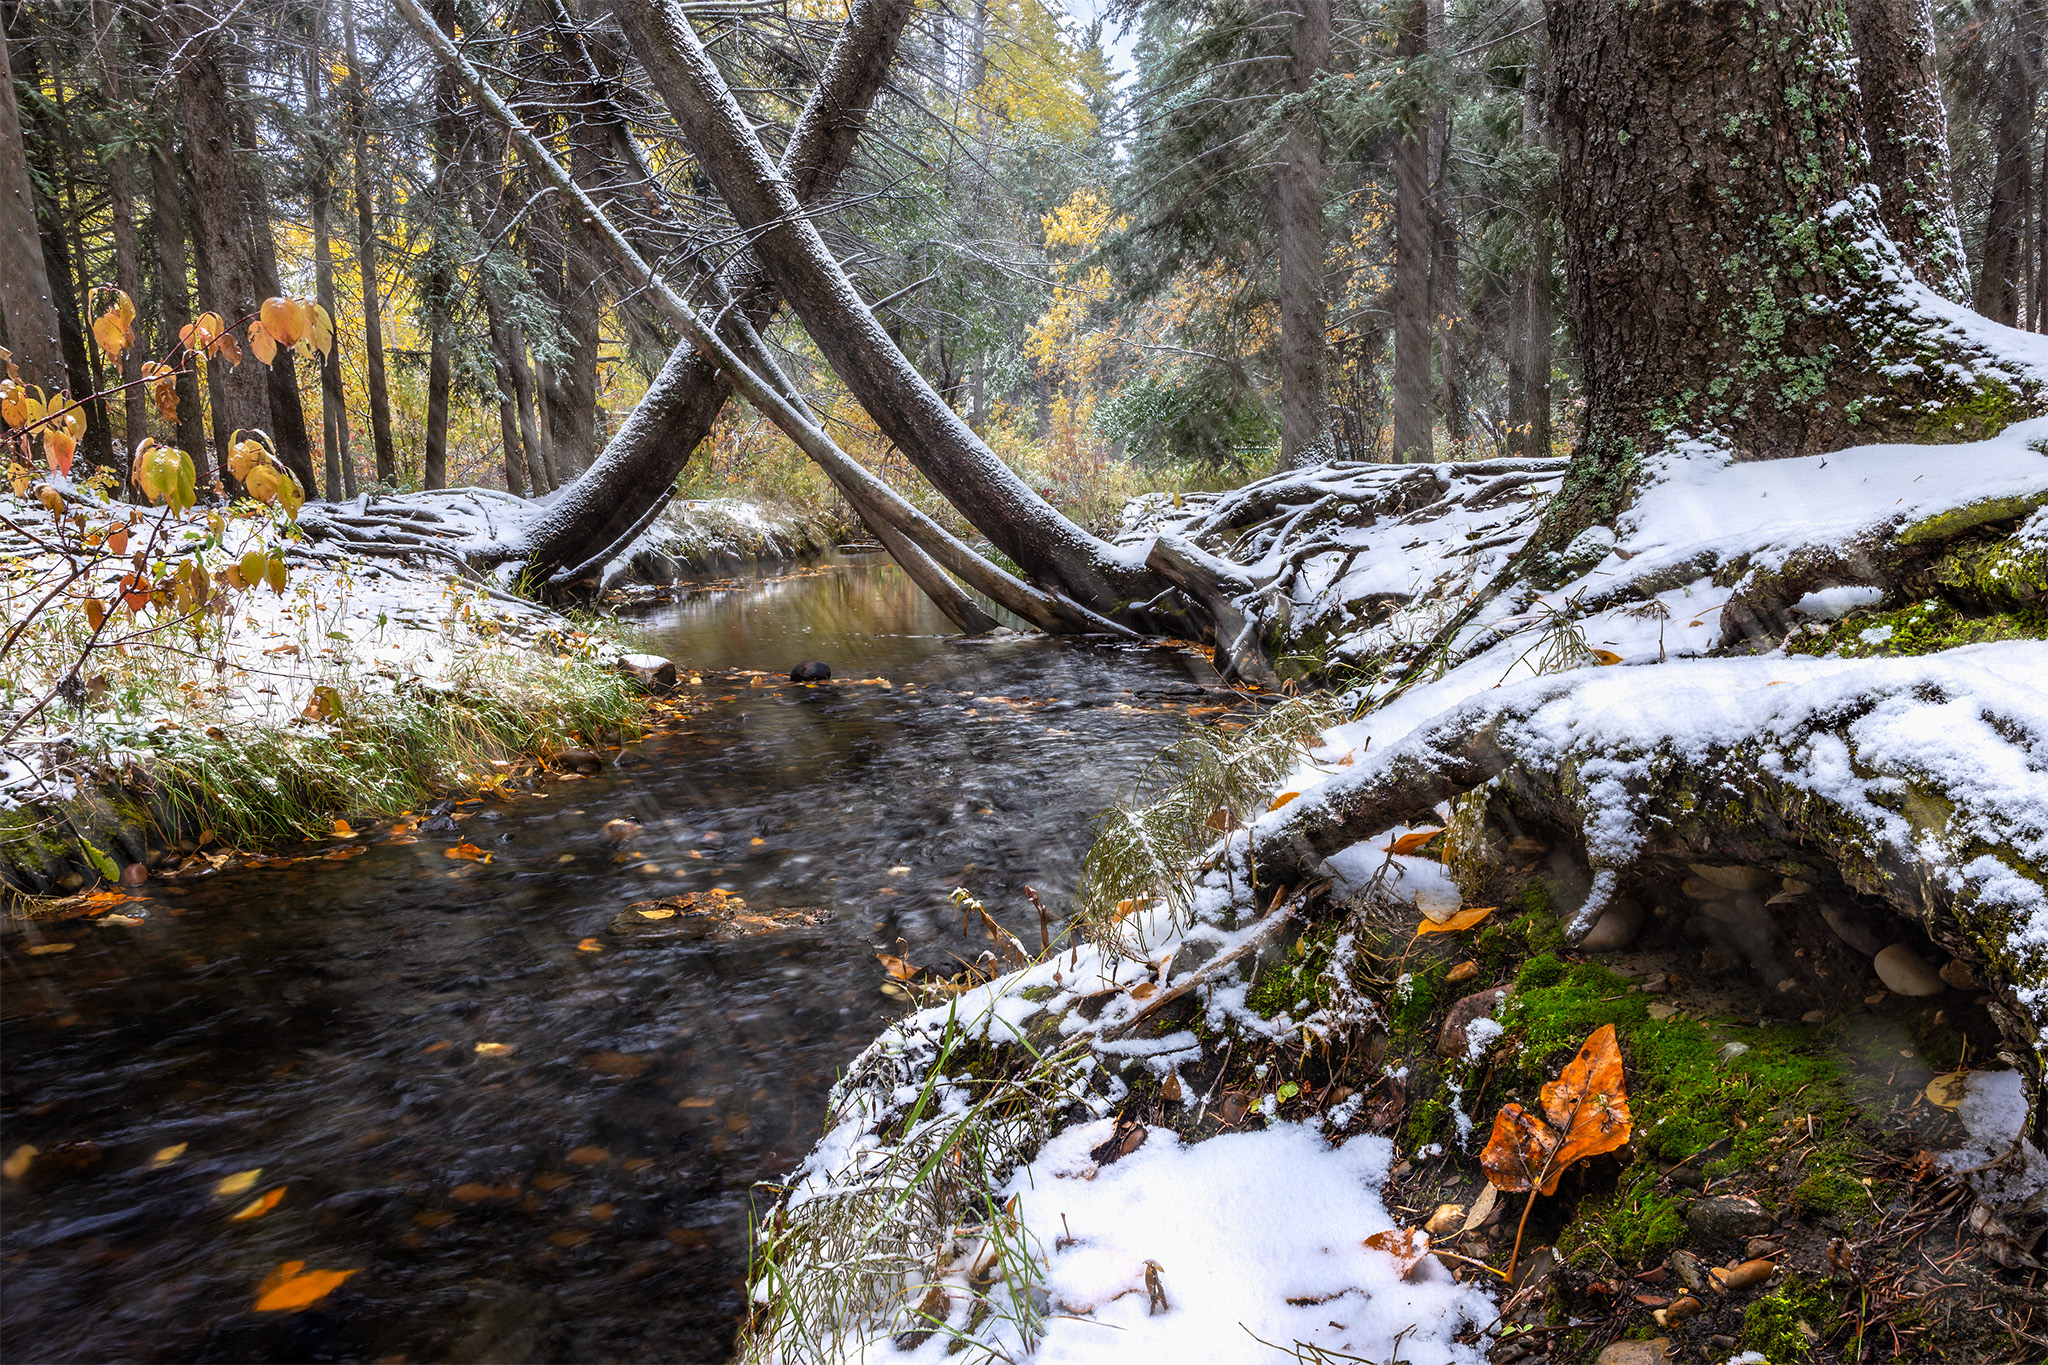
[531,1135]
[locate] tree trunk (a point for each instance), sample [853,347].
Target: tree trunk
[986,491]
[1299,208]
[1905,127]
[27,303]
[121,201]
[568,383]
[1538,322]
[45,146]
[683,402]
[340,468]
[1412,434]
[366,259]
[1748,300]
[220,229]
[167,238]
[2001,272]
[287,409]
[440,281]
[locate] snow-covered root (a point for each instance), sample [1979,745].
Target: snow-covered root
[1918,782]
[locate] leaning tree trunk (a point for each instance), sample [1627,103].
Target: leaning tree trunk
[684,400]
[993,498]
[26,301]
[1722,289]
[1298,207]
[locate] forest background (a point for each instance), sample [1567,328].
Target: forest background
[1287,235]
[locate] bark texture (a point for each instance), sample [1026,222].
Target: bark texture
[1728,273]
[1412,423]
[26,303]
[366,260]
[1298,203]
[1905,126]
[167,241]
[2001,276]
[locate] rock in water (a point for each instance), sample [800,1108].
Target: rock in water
[811,670]
[1850,928]
[651,671]
[620,831]
[1616,928]
[1725,1218]
[1905,972]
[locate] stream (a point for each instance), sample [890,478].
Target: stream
[529,1134]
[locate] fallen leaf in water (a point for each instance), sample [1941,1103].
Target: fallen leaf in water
[493,1049]
[897,968]
[258,1206]
[638,1163]
[45,949]
[1464,919]
[601,1213]
[343,830]
[553,1180]
[1282,799]
[589,1156]
[292,1287]
[239,1182]
[658,912]
[438,1045]
[696,1102]
[337,855]
[1413,840]
[166,1155]
[1408,1247]
[16,1165]
[590,945]
[466,852]
[120,920]
[625,1065]
[476,1192]
[757,841]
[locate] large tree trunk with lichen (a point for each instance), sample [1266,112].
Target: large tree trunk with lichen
[1906,133]
[1724,240]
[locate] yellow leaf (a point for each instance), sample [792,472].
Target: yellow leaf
[251,567]
[114,334]
[1606,657]
[58,447]
[238,1182]
[1282,799]
[291,1287]
[262,343]
[166,1155]
[95,613]
[258,1206]
[590,945]
[321,330]
[1463,919]
[284,319]
[46,949]
[16,1166]
[1948,1090]
[262,482]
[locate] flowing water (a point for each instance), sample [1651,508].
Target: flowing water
[530,1133]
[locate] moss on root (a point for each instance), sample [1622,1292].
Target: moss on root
[1926,627]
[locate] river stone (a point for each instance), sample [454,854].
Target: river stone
[1961,975]
[579,760]
[1905,972]
[1655,1351]
[1721,1218]
[1851,929]
[651,671]
[811,670]
[1616,928]
[1735,878]
[1688,1271]
[1450,1040]
[1700,889]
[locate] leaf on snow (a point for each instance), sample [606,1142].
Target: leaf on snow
[1408,1247]
[1413,840]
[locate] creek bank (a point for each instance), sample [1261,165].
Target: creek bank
[1650,731]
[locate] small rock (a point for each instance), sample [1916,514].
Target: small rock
[1730,1051]
[1850,928]
[1616,928]
[620,831]
[1735,878]
[579,760]
[1450,1040]
[1961,975]
[1656,1351]
[651,671]
[1681,1309]
[1448,1218]
[1745,1276]
[135,874]
[71,881]
[1700,889]
[811,670]
[1905,972]
[1722,1218]
[1687,1270]
[1762,1249]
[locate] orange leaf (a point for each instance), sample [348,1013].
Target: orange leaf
[465,852]
[1464,919]
[284,319]
[1413,840]
[1408,1247]
[292,1287]
[259,1206]
[1606,657]
[1519,1149]
[896,966]
[1588,1104]
[262,343]
[343,830]
[1282,799]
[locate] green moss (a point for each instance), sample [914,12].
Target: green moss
[1429,1122]
[1983,414]
[1413,1000]
[1922,628]
[1828,1194]
[1785,1324]
[1544,969]
[2008,570]
[1634,1225]
[1296,983]
[1947,525]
